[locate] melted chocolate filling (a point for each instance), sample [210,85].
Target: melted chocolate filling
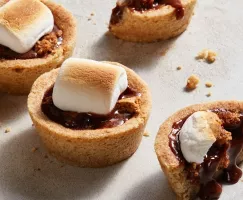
[210,181]
[85,121]
[8,54]
[144,5]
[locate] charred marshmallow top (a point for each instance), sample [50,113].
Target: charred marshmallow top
[23,23]
[87,86]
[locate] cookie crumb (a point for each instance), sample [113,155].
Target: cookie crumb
[208,84]
[209,94]
[34,149]
[89,18]
[192,82]
[207,55]
[146,134]
[7,130]
[179,68]
[92,14]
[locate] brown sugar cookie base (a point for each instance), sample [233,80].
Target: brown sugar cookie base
[172,167]
[152,25]
[17,76]
[90,148]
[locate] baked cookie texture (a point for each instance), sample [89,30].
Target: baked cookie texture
[90,148]
[17,76]
[152,25]
[173,169]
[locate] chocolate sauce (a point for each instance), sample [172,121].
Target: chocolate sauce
[210,181]
[144,5]
[85,121]
[8,54]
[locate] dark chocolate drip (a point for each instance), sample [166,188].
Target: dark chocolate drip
[85,121]
[210,181]
[174,141]
[144,5]
[8,54]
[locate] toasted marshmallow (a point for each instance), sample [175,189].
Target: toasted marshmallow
[23,23]
[198,134]
[88,86]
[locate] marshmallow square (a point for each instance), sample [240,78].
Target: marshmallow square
[23,23]
[87,86]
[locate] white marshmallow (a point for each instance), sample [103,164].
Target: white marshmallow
[23,23]
[197,136]
[89,86]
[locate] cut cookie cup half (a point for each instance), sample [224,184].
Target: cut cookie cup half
[92,148]
[161,22]
[191,179]
[18,75]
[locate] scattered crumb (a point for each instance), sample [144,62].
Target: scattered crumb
[92,14]
[146,134]
[192,82]
[209,94]
[94,23]
[7,130]
[208,84]
[179,68]
[34,149]
[207,55]
[89,18]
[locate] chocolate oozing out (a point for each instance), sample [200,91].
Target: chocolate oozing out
[87,121]
[206,174]
[8,54]
[144,5]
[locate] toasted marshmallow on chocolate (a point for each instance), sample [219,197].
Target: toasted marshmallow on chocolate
[88,86]
[23,23]
[197,135]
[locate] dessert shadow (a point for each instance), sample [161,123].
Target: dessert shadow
[154,187]
[133,55]
[12,107]
[29,174]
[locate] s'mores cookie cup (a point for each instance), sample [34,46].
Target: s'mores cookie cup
[199,149]
[89,113]
[150,20]
[36,36]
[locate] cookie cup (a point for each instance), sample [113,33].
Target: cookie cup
[171,166]
[152,25]
[90,148]
[17,76]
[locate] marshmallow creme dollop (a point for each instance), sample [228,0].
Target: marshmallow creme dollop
[197,135]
